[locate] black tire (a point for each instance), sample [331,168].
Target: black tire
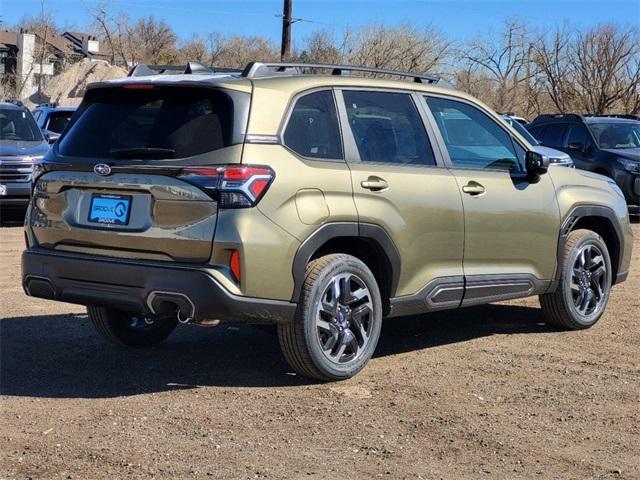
[130,330]
[304,346]
[562,308]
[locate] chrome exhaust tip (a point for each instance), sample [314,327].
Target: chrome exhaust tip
[160,303]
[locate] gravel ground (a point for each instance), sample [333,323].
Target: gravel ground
[486,392]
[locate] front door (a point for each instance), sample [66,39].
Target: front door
[511,224]
[399,185]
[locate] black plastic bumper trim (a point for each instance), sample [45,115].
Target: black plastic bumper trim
[126,286]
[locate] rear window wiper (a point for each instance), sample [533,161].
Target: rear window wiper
[142,151]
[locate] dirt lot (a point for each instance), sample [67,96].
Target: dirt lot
[486,392]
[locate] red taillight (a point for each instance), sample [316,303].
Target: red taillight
[138,86]
[233,186]
[234,265]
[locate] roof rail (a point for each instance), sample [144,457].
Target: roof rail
[629,116]
[48,104]
[558,116]
[264,69]
[191,68]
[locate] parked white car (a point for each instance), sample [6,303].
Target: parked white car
[556,157]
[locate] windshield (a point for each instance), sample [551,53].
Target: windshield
[517,126]
[160,122]
[616,135]
[18,125]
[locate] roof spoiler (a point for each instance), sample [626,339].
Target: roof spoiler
[191,68]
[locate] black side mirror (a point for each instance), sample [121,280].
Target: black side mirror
[537,164]
[576,147]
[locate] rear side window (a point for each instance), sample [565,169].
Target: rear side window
[537,132]
[577,134]
[313,130]
[387,128]
[58,121]
[554,134]
[161,122]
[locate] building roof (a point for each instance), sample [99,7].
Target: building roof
[69,43]
[8,39]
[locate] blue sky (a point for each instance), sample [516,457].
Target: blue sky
[458,19]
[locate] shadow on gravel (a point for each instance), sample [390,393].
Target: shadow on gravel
[61,356]
[12,217]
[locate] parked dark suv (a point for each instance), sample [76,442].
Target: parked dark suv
[21,144]
[52,119]
[606,145]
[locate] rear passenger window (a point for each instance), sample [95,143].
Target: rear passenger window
[387,128]
[537,132]
[313,130]
[577,134]
[553,135]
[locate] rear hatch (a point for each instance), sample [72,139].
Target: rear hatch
[115,183]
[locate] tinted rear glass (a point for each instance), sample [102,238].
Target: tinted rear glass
[162,122]
[554,134]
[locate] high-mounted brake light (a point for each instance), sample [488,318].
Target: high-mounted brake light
[138,86]
[233,186]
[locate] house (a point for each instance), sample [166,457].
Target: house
[26,62]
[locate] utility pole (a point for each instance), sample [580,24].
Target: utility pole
[285,49]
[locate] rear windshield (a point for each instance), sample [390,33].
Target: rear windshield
[18,125]
[160,122]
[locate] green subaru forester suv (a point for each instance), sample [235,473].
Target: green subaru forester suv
[316,198]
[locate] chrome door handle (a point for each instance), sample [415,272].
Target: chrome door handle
[473,188]
[374,184]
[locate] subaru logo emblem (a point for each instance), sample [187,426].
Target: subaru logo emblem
[102,169]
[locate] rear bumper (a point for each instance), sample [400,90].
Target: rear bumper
[140,287]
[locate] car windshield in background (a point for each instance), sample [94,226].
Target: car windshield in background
[18,125]
[616,135]
[161,122]
[517,126]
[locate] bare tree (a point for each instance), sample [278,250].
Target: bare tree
[401,47]
[43,27]
[601,58]
[195,50]
[504,60]
[321,47]
[236,51]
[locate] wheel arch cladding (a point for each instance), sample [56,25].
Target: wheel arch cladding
[601,220]
[367,242]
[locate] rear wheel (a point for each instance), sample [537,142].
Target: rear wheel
[338,320]
[584,282]
[122,328]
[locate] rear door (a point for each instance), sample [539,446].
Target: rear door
[399,184]
[113,184]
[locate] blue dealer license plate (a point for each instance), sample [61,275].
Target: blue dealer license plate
[110,209]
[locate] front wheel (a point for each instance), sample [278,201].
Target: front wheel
[130,330]
[338,320]
[584,283]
